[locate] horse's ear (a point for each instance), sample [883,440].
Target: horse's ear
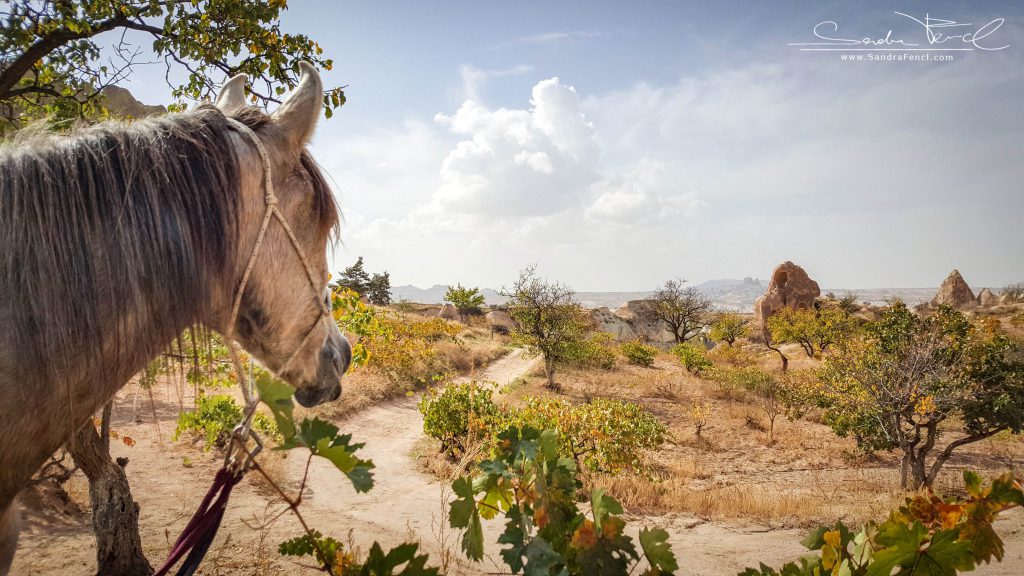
[232,93]
[298,114]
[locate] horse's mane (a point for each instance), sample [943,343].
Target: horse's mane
[114,217]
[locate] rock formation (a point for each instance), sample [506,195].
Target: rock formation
[789,287]
[448,312]
[617,326]
[655,332]
[955,292]
[499,321]
[122,103]
[986,299]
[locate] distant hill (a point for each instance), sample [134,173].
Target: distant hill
[726,293]
[435,294]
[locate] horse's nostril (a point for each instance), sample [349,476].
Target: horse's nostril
[342,359]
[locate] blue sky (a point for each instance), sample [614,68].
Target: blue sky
[621,144]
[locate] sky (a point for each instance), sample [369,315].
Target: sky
[620,144]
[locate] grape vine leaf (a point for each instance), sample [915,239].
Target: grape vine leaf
[464,514]
[380,564]
[603,505]
[657,550]
[540,558]
[277,395]
[344,459]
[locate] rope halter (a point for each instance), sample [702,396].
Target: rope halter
[244,430]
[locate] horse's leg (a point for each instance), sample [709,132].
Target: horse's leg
[8,536]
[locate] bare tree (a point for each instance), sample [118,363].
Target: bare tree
[549,318]
[683,309]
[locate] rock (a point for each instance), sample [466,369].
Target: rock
[955,292]
[789,287]
[448,312]
[617,326]
[500,321]
[121,102]
[654,332]
[986,299]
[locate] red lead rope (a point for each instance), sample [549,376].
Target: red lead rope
[199,533]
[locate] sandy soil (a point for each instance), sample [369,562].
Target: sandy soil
[168,479]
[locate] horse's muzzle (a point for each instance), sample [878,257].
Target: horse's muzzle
[335,358]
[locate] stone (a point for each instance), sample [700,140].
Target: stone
[791,287]
[607,321]
[986,299]
[500,321]
[955,292]
[448,312]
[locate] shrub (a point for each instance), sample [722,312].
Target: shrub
[215,417]
[466,300]
[457,412]
[402,349]
[639,353]
[699,414]
[736,356]
[597,351]
[692,357]
[602,435]
[728,327]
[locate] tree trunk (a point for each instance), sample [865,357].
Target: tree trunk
[549,371]
[115,515]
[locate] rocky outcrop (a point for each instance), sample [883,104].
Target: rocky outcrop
[500,321]
[448,312]
[607,321]
[789,287]
[651,331]
[955,292]
[122,103]
[986,299]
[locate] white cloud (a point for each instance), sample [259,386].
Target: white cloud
[866,175]
[555,38]
[519,162]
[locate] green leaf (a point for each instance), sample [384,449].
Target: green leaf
[540,558]
[945,556]
[901,544]
[657,550]
[973,482]
[465,515]
[603,505]
[277,395]
[344,459]
[380,564]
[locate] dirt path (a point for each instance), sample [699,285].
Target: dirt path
[404,503]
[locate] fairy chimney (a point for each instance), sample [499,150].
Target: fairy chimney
[986,299]
[955,292]
[789,287]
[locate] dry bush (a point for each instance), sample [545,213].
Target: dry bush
[734,356]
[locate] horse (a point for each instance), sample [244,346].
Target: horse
[117,237]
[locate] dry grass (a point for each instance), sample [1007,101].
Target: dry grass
[472,351]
